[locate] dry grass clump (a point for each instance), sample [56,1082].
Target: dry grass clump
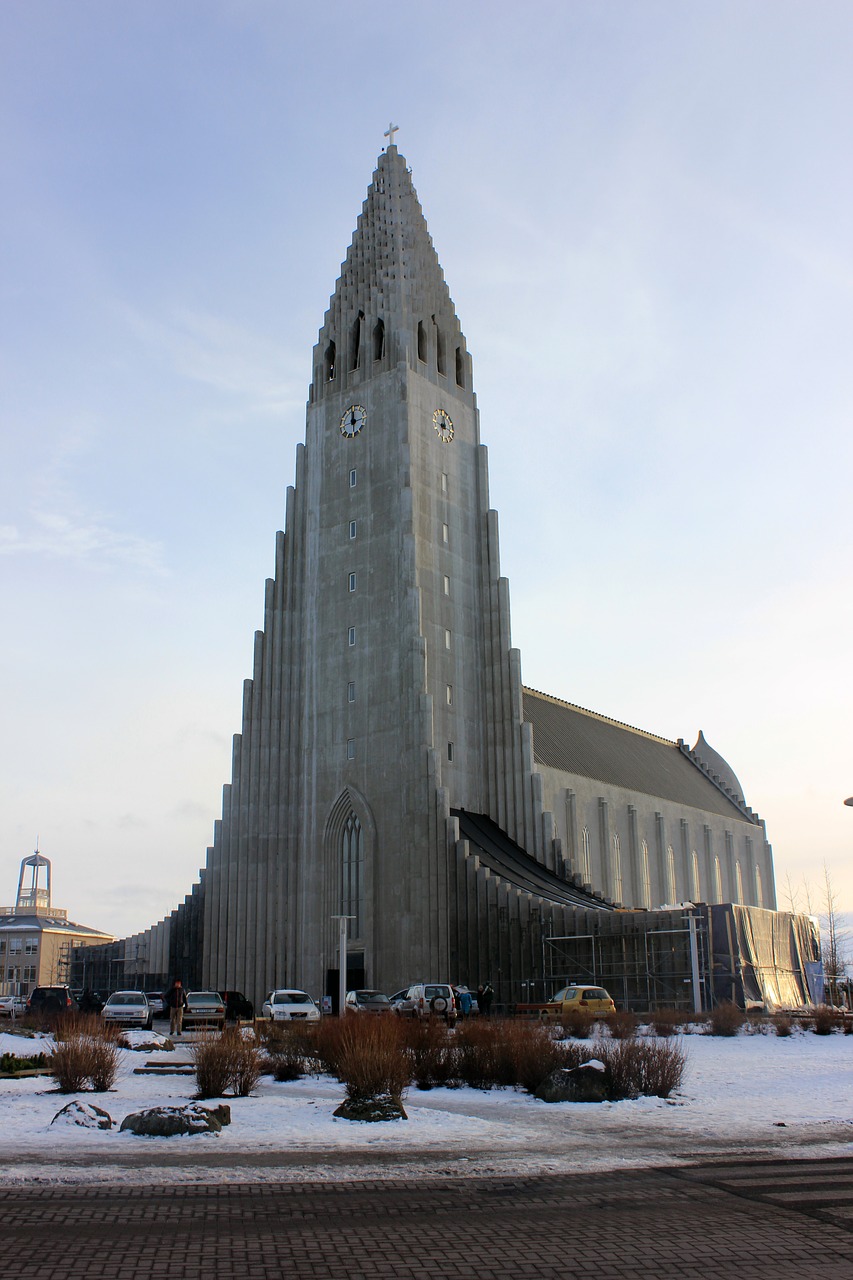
[782,1024]
[68,1025]
[825,1019]
[289,1051]
[371,1058]
[622,1024]
[665,1022]
[81,1058]
[577,1023]
[726,1019]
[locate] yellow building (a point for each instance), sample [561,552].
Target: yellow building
[36,938]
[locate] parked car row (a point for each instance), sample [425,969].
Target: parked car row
[289,1004]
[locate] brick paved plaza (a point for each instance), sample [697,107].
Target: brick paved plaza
[754,1221]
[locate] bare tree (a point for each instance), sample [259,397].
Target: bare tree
[834,940]
[792,895]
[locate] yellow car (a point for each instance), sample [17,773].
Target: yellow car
[593,1000]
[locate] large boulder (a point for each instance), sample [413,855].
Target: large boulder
[166,1122]
[85,1115]
[586,1083]
[371,1110]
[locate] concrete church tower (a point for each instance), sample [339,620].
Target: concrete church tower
[391,766]
[384,688]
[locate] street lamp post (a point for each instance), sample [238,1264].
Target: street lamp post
[342,962]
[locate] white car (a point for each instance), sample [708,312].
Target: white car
[290,1005]
[13,1006]
[128,1009]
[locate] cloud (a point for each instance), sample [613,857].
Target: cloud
[80,537]
[224,357]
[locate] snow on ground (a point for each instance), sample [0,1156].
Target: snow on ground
[750,1095]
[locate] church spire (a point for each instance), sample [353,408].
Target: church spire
[391,303]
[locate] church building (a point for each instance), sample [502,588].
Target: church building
[391,766]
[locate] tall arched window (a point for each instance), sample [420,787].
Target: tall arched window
[422,342]
[585,861]
[739,881]
[617,869]
[352,874]
[759,887]
[670,873]
[460,368]
[647,875]
[697,886]
[718,879]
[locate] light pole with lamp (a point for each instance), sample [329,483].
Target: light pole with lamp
[342,962]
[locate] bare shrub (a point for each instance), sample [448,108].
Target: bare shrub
[782,1024]
[104,1058]
[245,1062]
[510,1052]
[622,1024]
[824,1020]
[665,1022]
[71,1063]
[74,1024]
[642,1068]
[726,1019]
[327,1042]
[371,1058]
[286,1053]
[432,1051]
[577,1023]
[477,1053]
[212,1056]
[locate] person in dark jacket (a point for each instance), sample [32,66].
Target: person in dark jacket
[176,999]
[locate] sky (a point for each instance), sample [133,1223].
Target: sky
[643,211]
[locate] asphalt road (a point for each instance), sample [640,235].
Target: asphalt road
[756,1220]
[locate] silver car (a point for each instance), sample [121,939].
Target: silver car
[128,1009]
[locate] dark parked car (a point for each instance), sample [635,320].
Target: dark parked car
[51,1000]
[237,1005]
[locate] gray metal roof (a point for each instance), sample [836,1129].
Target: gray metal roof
[574,740]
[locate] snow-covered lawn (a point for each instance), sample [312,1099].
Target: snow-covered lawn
[753,1094]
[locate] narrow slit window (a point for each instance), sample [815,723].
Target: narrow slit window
[447,639]
[450,695]
[446,585]
[355,348]
[351,637]
[445,533]
[379,340]
[444,482]
[329,365]
[350,748]
[440,362]
[450,750]
[352,528]
[352,582]
[351,691]
[422,342]
[352,478]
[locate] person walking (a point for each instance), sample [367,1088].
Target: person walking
[177,1002]
[485,998]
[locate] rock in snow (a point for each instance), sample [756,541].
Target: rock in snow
[165,1122]
[84,1114]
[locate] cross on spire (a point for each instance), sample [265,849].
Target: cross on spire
[389,133]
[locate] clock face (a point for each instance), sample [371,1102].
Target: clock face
[353,420]
[443,424]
